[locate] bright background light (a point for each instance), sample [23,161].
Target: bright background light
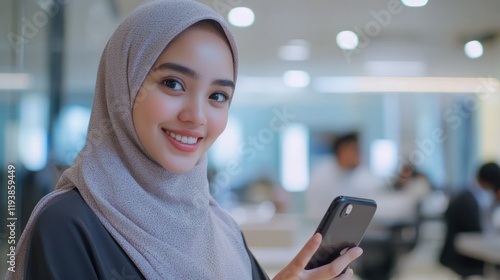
[295,157]
[241,17]
[32,147]
[296,78]
[414,3]
[347,40]
[473,49]
[383,157]
[227,148]
[70,133]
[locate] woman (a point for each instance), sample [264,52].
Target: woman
[136,203]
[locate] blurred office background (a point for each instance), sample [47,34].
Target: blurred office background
[402,78]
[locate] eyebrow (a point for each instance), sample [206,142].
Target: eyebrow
[191,73]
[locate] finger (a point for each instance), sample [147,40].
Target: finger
[348,274]
[343,261]
[300,261]
[336,267]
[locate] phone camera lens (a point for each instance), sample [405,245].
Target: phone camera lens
[348,210]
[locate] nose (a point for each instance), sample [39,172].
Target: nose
[193,111]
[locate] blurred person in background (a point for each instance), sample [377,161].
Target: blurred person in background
[412,182]
[396,225]
[400,201]
[266,190]
[341,173]
[470,211]
[494,213]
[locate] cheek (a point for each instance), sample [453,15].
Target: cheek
[148,112]
[155,109]
[139,99]
[218,120]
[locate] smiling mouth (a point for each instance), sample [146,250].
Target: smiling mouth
[182,139]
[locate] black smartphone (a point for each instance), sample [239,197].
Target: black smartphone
[342,227]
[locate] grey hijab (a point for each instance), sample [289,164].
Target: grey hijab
[167,223]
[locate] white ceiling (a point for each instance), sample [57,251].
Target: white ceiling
[426,41]
[432,36]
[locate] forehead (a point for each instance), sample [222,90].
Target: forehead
[199,33]
[199,45]
[349,146]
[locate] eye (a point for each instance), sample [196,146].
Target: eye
[172,84]
[219,97]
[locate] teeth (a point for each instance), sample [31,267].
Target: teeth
[183,139]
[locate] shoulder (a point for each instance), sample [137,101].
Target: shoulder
[464,201]
[69,242]
[323,166]
[464,196]
[60,228]
[62,211]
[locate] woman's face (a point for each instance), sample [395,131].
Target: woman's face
[183,104]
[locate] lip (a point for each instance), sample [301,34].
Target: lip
[182,146]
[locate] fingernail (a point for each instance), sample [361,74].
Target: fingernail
[349,271]
[357,250]
[317,237]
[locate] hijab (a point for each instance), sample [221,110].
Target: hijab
[167,223]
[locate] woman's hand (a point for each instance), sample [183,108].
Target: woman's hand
[295,270]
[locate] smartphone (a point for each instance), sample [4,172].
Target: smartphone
[342,227]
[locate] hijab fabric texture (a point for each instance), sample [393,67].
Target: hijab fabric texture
[167,223]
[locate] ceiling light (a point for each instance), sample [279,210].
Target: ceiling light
[296,78]
[241,17]
[414,3]
[473,49]
[347,40]
[295,50]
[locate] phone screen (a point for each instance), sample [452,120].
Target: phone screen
[342,227]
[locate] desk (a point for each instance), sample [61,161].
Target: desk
[485,248]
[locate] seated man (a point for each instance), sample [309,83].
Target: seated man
[341,173]
[467,212]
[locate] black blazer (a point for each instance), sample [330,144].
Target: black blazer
[69,242]
[462,215]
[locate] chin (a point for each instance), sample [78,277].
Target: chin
[178,168]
